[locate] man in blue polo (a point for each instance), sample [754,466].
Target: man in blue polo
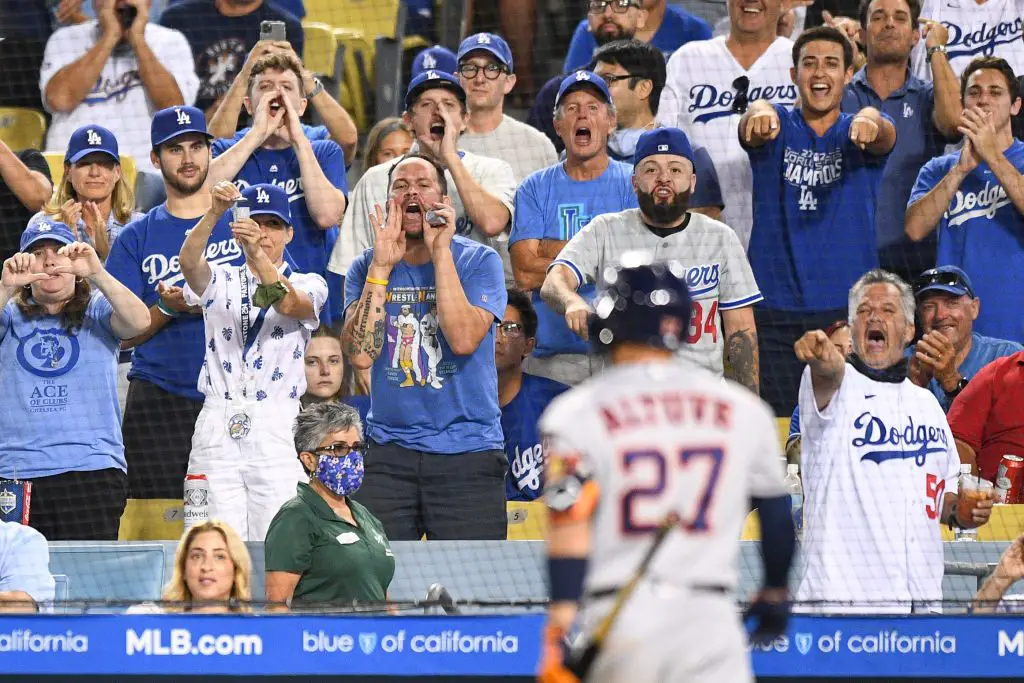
[950,352]
[163,400]
[554,204]
[925,114]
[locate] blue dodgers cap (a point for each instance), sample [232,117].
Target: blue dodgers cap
[268,199]
[433,79]
[488,42]
[662,141]
[948,279]
[582,79]
[174,121]
[45,230]
[436,58]
[89,139]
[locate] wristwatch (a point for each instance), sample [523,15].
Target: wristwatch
[319,87]
[956,390]
[933,50]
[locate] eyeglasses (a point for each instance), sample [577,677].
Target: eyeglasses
[618,6]
[615,78]
[340,448]
[491,71]
[509,328]
[931,278]
[742,97]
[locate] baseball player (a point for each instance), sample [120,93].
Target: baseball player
[879,464]
[429,328]
[722,286]
[651,436]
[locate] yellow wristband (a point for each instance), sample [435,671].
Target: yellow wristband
[375,281]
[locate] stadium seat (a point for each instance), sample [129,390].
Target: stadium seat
[151,520]
[783,426]
[22,128]
[527,521]
[55,160]
[357,75]
[321,50]
[109,570]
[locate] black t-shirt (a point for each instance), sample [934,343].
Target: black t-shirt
[220,44]
[13,214]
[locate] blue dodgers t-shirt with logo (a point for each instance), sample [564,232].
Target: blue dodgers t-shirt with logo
[58,392]
[814,214]
[424,397]
[146,253]
[981,233]
[678,27]
[552,206]
[523,445]
[311,246]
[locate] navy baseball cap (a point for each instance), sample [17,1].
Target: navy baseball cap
[433,79]
[89,139]
[39,231]
[488,42]
[662,141]
[174,121]
[267,199]
[436,58]
[948,279]
[581,79]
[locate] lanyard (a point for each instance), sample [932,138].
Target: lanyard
[248,334]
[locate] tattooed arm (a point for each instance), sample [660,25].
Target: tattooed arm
[741,347]
[363,334]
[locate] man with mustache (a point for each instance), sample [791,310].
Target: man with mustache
[163,399]
[435,463]
[709,255]
[818,171]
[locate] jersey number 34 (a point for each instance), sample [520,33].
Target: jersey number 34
[656,468]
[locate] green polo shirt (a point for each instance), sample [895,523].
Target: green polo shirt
[337,561]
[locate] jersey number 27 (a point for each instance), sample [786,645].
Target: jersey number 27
[659,468]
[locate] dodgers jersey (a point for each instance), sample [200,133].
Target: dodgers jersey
[145,254]
[524,449]
[716,270]
[814,214]
[981,233]
[994,28]
[266,364]
[876,463]
[660,438]
[699,96]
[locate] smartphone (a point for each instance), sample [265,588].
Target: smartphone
[435,219]
[240,211]
[126,15]
[272,30]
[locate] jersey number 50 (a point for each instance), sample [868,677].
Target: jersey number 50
[650,494]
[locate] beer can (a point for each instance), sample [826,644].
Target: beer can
[1001,491]
[197,500]
[15,500]
[1011,468]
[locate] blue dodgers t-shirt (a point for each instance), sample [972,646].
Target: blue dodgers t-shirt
[983,351]
[146,253]
[814,214]
[311,246]
[423,396]
[523,445]
[982,232]
[58,393]
[910,107]
[678,27]
[550,205]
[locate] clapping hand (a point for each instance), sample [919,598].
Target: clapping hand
[980,132]
[937,355]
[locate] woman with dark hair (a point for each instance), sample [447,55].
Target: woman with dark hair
[328,376]
[62,319]
[93,198]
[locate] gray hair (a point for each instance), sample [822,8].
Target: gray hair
[878,276]
[557,113]
[318,420]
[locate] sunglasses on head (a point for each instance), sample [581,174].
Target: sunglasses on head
[931,278]
[741,100]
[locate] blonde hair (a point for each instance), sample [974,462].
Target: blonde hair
[375,137]
[241,588]
[122,200]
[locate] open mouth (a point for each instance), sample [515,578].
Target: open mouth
[276,105]
[821,89]
[875,340]
[664,192]
[582,136]
[752,10]
[437,130]
[413,209]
